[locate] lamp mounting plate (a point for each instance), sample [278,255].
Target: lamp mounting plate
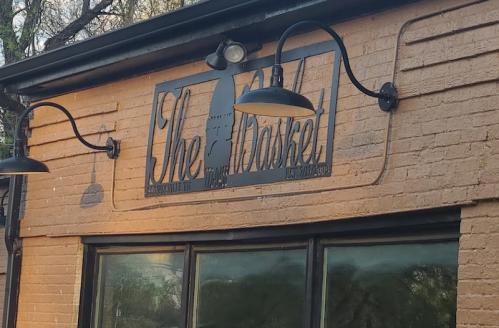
[387,104]
[113,148]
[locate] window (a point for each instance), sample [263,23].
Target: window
[139,290]
[253,288]
[383,286]
[316,280]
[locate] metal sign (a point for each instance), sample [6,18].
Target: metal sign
[238,149]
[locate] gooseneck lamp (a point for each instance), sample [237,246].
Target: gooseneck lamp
[279,102]
[19,164]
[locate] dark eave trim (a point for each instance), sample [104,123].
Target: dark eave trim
[122,37]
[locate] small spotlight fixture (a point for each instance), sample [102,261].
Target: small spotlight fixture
[279,102]
[19,164]
[216,60]
[227,52]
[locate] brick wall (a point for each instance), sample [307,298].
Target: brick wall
[444,133]
[443,150]
[478,287]
[50,282]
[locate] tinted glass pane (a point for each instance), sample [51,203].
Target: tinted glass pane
[257,289]
[139,290]
[392,286]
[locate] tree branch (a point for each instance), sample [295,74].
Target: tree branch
[33,12]
[18,11]
[85,6]
[9,103]
[7,33]
[76,26]
[105,13]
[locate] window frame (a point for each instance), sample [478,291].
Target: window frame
[401,228]
[99,280]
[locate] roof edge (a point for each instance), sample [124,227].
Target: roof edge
[169,40]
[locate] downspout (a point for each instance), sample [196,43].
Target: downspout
[14,252]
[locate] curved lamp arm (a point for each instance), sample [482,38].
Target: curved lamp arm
[3,197]
[111,146]
[343,51]
[279,102]
[2,211]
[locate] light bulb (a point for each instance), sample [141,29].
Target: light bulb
[234,52]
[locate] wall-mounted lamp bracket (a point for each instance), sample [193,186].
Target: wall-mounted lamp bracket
[113,148]
[391,101]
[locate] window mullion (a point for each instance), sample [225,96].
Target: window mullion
[184,310]
[318,285]
[311,289]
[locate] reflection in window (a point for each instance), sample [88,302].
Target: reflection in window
[391,286]
[252,289]
[139,290]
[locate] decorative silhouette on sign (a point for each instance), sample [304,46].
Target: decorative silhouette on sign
[219,134]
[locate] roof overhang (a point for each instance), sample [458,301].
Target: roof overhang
[169,40]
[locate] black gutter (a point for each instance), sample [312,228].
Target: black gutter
[157,26]
[14,252]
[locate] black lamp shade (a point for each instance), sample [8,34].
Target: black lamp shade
[274,101]
[22,165]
